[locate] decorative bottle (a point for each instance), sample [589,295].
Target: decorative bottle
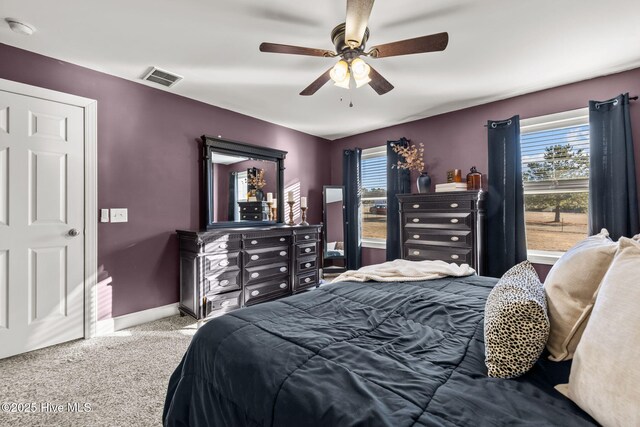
[474,179]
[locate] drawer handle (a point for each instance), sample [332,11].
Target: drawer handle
[255,293]
[244,209]
[255,257]
[283,285]
[416,206]
[282,239]
[455,238]
[283,269]
[454,256]
[416,252]
[224,263]
[454,221]
[283,253]
[254,275]
[307,280]
[307,265]
[255,209]
[416,219]
[454,205]
[224,282]
[307,250]
[306,237]
[416,236]
[223,246]
[254,242]
[225,303]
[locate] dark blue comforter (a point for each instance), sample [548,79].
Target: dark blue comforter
[360,354]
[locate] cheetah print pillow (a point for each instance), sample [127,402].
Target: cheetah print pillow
[516,324]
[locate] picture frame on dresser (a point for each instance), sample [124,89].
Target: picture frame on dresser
[447,226]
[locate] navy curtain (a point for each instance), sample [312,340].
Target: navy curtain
[613,197]
[398,182]
[506,241]
[352,177]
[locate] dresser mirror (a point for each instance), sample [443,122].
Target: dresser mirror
[239,181]
[334,258]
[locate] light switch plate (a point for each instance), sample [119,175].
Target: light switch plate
[104,215]
[119,215]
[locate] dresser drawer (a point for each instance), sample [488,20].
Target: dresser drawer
[260,274]
[257,242]
[305,281]
[265,256]
[306,264]
[452,254]
[439,205]
[305,237]
[222,246]
[266,291]
[216,264]
[252,217]
[219,304]
[440,220]
[223,282]
[306,249]
[438,237]
[251,208]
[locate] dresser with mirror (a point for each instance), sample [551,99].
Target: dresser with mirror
[245,254]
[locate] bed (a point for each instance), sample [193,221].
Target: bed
[361,354]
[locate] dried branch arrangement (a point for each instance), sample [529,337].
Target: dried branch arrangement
[257,181]
[413,157]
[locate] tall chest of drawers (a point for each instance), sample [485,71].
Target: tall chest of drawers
[228,268]
[446,226]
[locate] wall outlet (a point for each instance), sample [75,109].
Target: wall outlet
[119,215]
[104,215]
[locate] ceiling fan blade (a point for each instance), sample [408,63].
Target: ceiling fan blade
[317,84]
[294,50]
[432,43]
[358,12]
[379,83]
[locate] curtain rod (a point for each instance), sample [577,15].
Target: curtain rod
[615,101]
[496,124]
[598,104]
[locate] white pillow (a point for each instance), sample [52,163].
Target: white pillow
[605,378]
[571,287]
[331,246]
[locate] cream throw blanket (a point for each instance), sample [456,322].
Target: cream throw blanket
[401,270]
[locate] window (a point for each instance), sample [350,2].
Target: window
[555,173]
[374,197]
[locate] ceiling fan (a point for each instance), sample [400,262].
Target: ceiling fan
[349,39]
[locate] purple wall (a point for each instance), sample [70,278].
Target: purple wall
[148,162]
[459,139]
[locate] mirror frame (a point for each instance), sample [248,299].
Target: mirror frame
[225,146]
[324,228]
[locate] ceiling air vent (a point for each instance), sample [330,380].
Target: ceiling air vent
[162,77]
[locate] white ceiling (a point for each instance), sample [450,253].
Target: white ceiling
[497,49]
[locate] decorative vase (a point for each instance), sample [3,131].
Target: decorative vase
[424,183]
[259,195]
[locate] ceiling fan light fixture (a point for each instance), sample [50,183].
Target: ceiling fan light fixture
[361,82]
[360,69]
[345,82]
[340,72]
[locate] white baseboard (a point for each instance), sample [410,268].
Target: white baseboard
[108,326]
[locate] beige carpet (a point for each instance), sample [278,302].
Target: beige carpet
[122,377]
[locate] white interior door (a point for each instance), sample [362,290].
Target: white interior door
[41,223]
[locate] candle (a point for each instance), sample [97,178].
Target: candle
[269,197]
[303,202]
[290,196]
[275,202]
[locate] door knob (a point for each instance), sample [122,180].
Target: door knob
[73,232]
